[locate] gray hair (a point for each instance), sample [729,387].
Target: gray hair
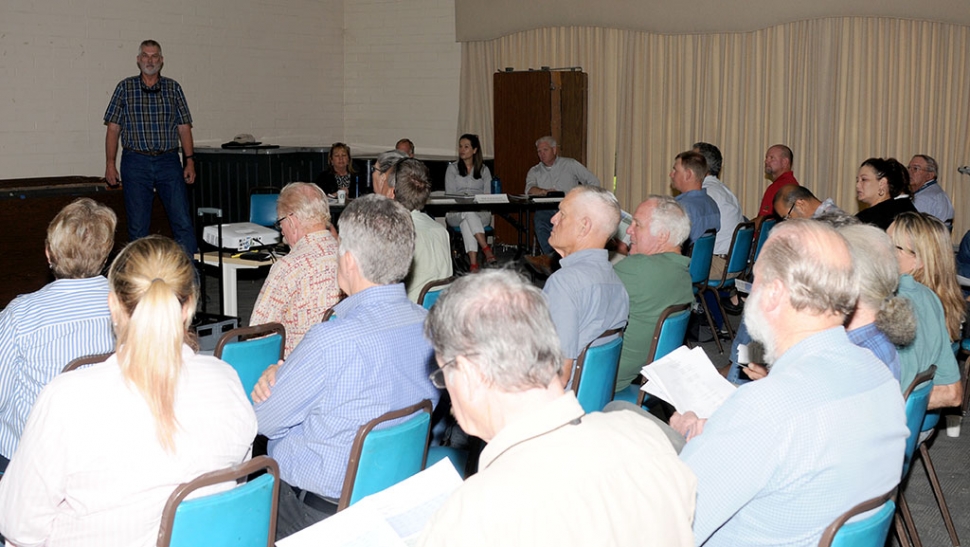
[601,205]
[713,156]
[305,201]
[799,254]
[149,43]
[412,184]
[788,195]
[931,164]
[500,322]
[385,164]
[668,216]
[548,140]
[380,234]
[874,258]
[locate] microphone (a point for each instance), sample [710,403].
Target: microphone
[965,170]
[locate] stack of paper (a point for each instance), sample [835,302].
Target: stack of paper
[491,198]
[687,379]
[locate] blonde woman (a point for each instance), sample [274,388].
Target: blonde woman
[926,262]
[105,446]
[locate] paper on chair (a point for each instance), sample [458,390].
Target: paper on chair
[393,517]
[687,379]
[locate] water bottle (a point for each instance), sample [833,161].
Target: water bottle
[496,185]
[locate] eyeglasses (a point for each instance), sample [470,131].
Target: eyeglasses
[792,208]
[438,376]
[279,222]
[915,168]
[904,250]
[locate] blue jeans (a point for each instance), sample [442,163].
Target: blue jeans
[142,176]
[542,221]
[740,337]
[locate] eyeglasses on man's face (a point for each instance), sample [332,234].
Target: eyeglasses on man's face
[438,376]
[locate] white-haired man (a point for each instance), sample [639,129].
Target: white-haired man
[553,174]
[928,195]
[812,453]
[550,474]
[585,295]
[371,359]
[656,275]
[302,285]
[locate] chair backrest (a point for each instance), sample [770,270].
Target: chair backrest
[262,208]
[668,335]
[382,458]
[244,516]
[701,257]
[258,347]
[670,331]
[86,360]
[737,258]
[432,290]
[763,232]
[594,375]
[917,397]
[870,531]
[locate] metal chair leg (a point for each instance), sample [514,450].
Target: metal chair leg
[710,320]
[908,519]
[938,492]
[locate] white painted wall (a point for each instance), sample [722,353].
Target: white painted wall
[273,68]
[401,75]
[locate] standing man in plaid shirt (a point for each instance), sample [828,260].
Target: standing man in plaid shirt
[151,116]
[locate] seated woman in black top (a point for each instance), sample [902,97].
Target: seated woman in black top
[340,171]
[878,184]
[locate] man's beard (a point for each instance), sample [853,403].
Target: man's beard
[759,328]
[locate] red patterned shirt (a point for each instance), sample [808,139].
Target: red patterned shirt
[300,287]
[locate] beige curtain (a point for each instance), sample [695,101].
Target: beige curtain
[837,91]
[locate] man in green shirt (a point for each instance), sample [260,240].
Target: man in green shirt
[655,276]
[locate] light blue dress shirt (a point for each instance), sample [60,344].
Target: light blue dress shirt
[40,333]
[371,359]
[784,456]
[702,212]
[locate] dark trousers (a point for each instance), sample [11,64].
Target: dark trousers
[295,514]
[542,222]
[142,176]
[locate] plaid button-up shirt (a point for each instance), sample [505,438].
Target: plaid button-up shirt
[149,116]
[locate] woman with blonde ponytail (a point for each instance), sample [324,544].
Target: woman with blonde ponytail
[105,446]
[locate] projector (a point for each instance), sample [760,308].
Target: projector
[240,236]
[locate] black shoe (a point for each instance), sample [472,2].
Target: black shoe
[731,308]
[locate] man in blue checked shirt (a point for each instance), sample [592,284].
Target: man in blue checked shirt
[371,359]
[150,115]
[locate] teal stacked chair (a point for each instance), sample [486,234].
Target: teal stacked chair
[262,205]
[667,336]
[763,232]
[917,397]
[432,290]
[594,375]
[381,458]
[250,350]
[870,531]
[736,263]
[701,256]
[244,516]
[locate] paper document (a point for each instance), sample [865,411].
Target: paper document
[392,517]
[742,286]
[442,201]
[547,200]
[491,198]
[687,379]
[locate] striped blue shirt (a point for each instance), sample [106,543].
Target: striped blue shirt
[149,116]
[371,359]
[40,333]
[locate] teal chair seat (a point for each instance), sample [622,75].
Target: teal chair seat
[668,335]
[250,356]
[701,256]
[594,375]
[244,516]
[381,458]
